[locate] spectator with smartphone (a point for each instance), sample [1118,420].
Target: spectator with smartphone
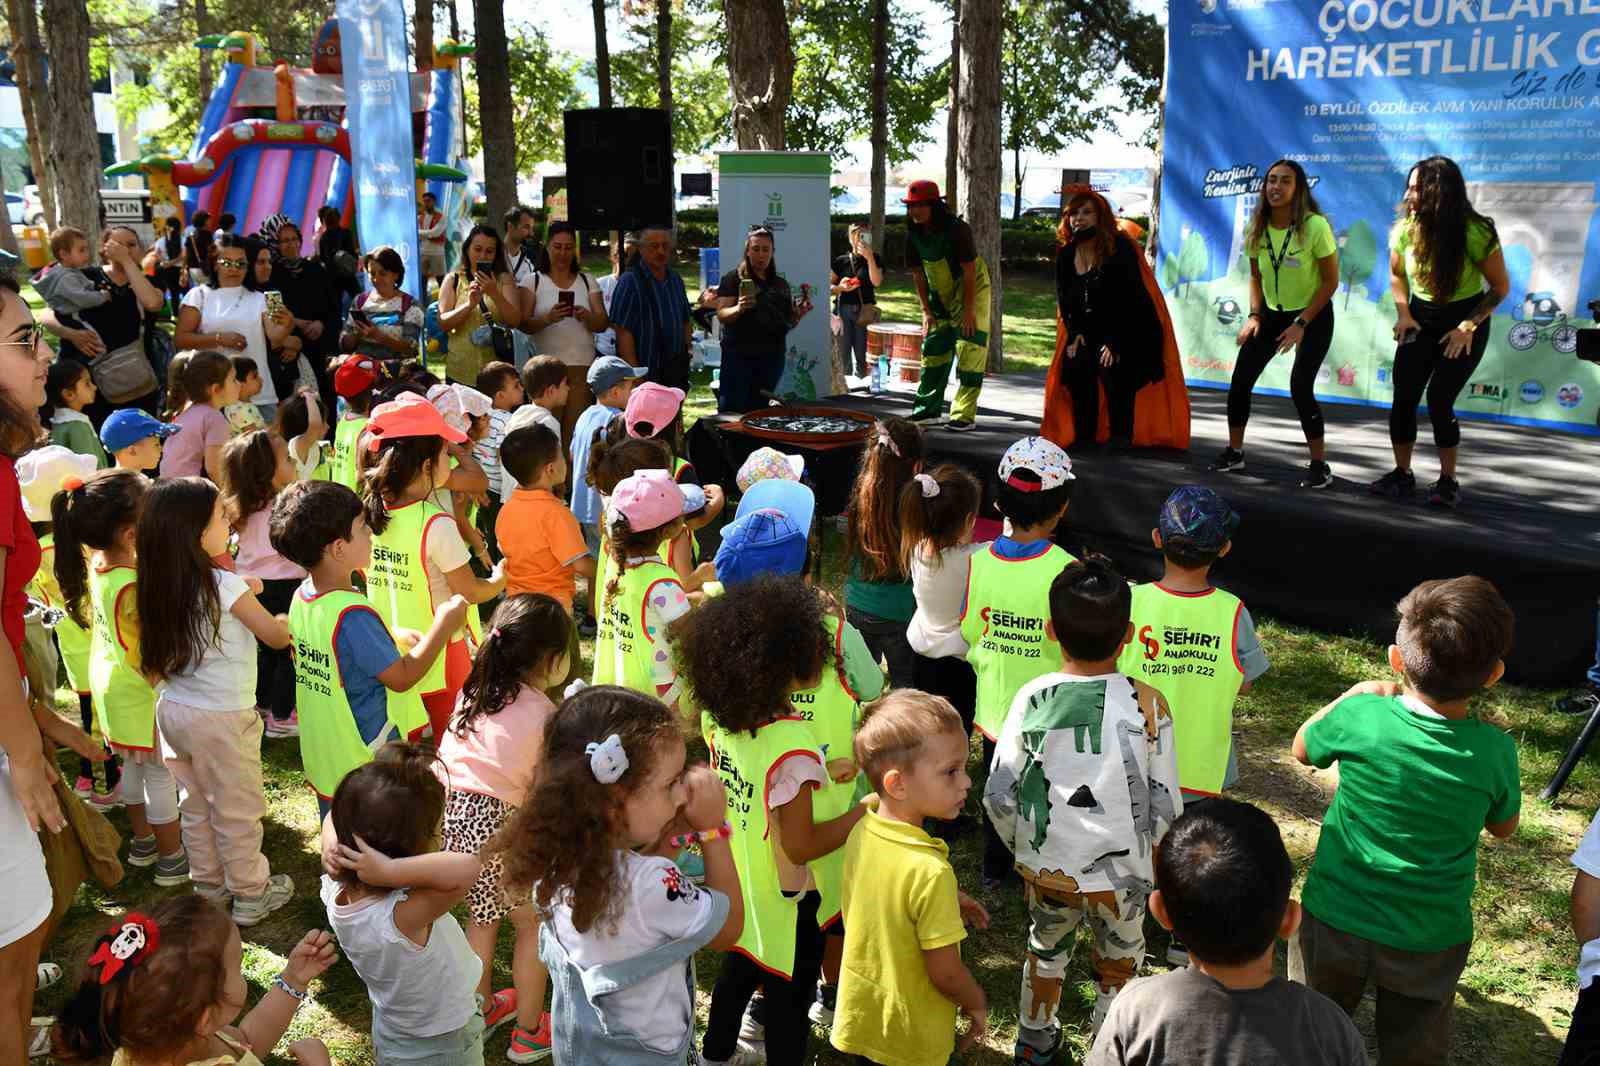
[563,308]
[232,318]
[478,294]
[855,277]
[385,322]
[757,311]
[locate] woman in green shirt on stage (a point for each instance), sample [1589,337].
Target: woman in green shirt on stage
[1294,272]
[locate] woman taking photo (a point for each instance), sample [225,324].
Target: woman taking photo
[285,354]
[1294,272]
[477,292]
[1113,336]
[27,802]
[563,308]
[232,318]
[1447,276]
[384,322]
[312,297]
[756,312]
[855,277]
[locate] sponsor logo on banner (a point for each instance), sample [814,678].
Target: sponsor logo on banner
[1569,395]
[1484,390]
[1530,391]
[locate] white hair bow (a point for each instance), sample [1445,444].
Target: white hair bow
[886,441]
[930,487]
[607,760]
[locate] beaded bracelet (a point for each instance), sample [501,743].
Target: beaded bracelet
[284,986]
[683,840]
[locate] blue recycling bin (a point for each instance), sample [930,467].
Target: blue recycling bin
[710,268]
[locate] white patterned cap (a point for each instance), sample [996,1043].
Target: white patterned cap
[1044,459]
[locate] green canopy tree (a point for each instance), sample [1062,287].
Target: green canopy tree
[544,83]
[1358,256]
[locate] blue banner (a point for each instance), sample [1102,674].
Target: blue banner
[377,89]
[1357,91]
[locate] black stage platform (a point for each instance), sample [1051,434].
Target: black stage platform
[1335,560]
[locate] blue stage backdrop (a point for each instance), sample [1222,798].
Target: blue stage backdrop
[1357,91]
[377,89]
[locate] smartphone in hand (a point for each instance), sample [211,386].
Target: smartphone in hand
[747,287]
[565,299]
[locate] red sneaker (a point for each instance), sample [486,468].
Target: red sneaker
[499,1009]
[531,1047]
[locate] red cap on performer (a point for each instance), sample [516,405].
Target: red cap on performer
[923,192]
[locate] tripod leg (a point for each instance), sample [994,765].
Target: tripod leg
[1574,753]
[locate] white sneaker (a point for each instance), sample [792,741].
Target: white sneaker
[1102,1006]
[753,1026]
[247,912]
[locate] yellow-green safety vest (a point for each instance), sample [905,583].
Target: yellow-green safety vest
[397,580]
[123,699]
[746,763]
[1008,604]
[330,742]
[624,647]
[1183,647]
[346,436]
[72,640]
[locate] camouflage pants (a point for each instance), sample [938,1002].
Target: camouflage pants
[1117,921]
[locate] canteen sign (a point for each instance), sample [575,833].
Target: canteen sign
[1357,91]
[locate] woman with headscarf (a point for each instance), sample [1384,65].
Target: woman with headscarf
[1113,337]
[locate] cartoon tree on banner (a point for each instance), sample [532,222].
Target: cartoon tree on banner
[1358,256]
[1169,273]
[1193,260]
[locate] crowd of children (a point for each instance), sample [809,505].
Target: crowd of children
[407,601]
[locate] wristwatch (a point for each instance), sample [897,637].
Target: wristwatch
[1301,322]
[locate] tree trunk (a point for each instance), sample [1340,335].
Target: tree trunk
[761,65]
[8,237]
[979,154]
[424,33]
[455,22]
[202,26]
[498,130]
[28,55]
[74,145]
[664,55]
[1016,183]
[880,118]
[1150,249]
[602,53]
[952,132]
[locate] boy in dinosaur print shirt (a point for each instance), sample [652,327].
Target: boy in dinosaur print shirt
[1084,785]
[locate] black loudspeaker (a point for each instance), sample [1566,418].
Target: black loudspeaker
[694,184]
[1071,176]
[619,167]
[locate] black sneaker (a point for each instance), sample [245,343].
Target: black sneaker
[960,425]
[1583,701]
[1446,492]
[1228,459]
[1319,475]
[1397,484]
[927,417]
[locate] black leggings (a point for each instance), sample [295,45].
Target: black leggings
[1258,351]
[787,1001]
[1420,366]
[275,666]
[1083,375]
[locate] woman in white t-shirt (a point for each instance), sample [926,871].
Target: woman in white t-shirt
[198,636]
[230,318]
[563,309]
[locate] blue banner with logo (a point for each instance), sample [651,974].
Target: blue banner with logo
[377,89]
[1357,91]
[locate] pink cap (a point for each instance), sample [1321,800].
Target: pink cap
[408,415]
[648,499]
[655,404]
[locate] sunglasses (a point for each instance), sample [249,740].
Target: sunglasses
[236,264]
[32,339]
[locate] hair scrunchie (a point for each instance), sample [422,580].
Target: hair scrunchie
[929,485]
[886,441]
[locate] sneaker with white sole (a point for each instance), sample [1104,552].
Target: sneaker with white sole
[217,894]
[1228,459]
[284,727]
[499,1008]
[108,800]
[753,1026]
[1319,475]
[248,911]
[960,425]
[531,1047]
[142,852]
[172,870]
[1397,484]
[1177,954]
[822,1007]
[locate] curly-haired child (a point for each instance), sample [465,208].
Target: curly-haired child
[610,804]
[741,656]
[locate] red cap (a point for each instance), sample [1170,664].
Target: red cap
[409,416]
[923,192]
[355,375]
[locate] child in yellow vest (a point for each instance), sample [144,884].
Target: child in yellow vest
[743,654]
[1193,642]
[139,998]
[642,595]
[40,474]
[610,804]
[355,688]
[354,381]
[1007,604]
[100,515]
[419,559]
[614,455]
[200,625]
[655,412]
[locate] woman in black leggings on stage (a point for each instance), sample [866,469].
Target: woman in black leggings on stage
[1294,272]
[1448,276]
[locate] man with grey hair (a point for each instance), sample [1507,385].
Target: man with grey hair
[650,311]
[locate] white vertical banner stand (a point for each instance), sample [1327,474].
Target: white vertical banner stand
[788,193]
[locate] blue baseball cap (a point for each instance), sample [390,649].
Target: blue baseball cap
[764,541]
[607,370]
[129,426]
[780,494]
[1200,515]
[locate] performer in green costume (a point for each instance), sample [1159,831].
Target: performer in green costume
[953,287]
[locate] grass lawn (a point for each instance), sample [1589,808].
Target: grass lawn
[1515,997]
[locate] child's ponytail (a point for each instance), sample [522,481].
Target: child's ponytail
[528,632]
[935,508]
[624,544]
[387,473]
[62,377]
[90,514]
[192,376]
[892,454]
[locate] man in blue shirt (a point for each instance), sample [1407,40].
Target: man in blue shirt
[650,312]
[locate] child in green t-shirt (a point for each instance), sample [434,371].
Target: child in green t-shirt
[1390,890]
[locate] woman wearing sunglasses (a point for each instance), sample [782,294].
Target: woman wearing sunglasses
[230,318]
[757,312]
